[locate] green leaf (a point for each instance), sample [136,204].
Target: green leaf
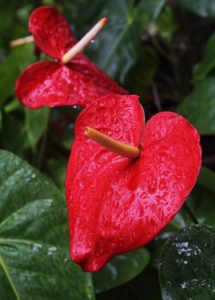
[166,24]
[72,10]
[121,269]
[0,120]
[117,47]
[34,250]
[207,179]
[10,69]
[12,105]
[36,122]
[141,75]
[204,8]
[57,170]
[208,62]
[199,107]
[14,136]
[188,264]
[202,202]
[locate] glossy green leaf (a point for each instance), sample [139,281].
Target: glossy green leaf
[117,47]
[36,123]
[187,264]
[34,250]
[199,107]
[121,269]
[208,61]
[10,69]
[204,8]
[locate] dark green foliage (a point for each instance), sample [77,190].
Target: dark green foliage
[204,8]
[201,103]
[187,264]
[34,255]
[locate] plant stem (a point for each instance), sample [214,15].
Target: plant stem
[191,213]
[156,97]
[43,144]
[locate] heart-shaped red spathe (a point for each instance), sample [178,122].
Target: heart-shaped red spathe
[50,83]
[117,204]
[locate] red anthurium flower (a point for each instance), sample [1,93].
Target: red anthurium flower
[64,81]
[117,203]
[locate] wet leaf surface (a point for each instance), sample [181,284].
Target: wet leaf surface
[188,264]
[34,251]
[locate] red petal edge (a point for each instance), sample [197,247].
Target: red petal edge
[51,31]
[118,204]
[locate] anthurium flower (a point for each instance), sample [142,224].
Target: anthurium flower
[63,81]
[118,203]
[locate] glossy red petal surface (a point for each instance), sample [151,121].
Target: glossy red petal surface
[42,84]
[118,204]
[51,31]
[52,84]
[90,82]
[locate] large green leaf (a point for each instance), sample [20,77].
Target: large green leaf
[120,269]
[199,107]
[34,256]
[10,69]
[187,264]
[208,62]
[204,8]
[117,48]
